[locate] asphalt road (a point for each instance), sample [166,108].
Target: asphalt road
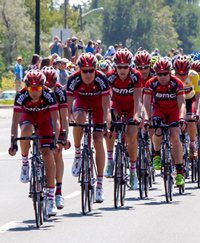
[148,220]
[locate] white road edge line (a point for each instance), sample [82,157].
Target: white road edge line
[73,194]
[8,226]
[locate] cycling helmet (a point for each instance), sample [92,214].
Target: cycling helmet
[196,66]
[154,59]
[87,60]
[142,58]
[196,57]
[163,64]
[103,65]
[122,56]
[182,64]
[99,62]
[34,77]
[50,74]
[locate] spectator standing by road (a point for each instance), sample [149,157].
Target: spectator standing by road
[54,47]
[89,47]
[98,48]
[73,45]
[63,72]
[67,49]
[18,71]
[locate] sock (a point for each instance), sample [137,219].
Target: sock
[132,168]
[99,182]
[157,153]
[58,188]
[179,169]
[77,151]
[110,157]
[51,193]
[193,143]
[25,159]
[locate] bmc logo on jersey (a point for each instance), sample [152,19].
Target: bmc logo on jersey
[122,91]
[165,96]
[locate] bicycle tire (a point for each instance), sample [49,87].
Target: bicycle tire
[141,170]
[84,181]
[124,179]
[44,193]
[193,169]
[118,174]
[91,184]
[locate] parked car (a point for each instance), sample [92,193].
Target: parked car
[8,95]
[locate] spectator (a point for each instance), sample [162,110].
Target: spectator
[45,62]
[109,52]
[63,72]
[67,49]
[116,47]
[121,46]
[18,71]
[89,47]
[98,47]
[172,52]
[54,47]
[99,56]
[180,51]
[56,66]
[35,61]
[73,45]
[139,49]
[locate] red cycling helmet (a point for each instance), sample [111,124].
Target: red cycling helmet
[163,64]
[196,66]
[87,60]
[142,58]
[50,74]
[122,56]
[34,77]
[182,64]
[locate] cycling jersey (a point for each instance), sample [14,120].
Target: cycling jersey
[191,85]
[98,88]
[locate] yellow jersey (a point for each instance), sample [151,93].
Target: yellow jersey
[191,85]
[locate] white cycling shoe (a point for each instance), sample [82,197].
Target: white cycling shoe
[52,209]
[99,195]
[60,202]
[24,176]
[76,167]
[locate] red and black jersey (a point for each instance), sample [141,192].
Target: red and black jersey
[46,103]
[122,91]
[61,96]
[164,97]
[99,87]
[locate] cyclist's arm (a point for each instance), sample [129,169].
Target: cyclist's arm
[137,102]
[197,96]
[182,106]
[51,46]
[15,121]
[64,119]
[56,122]
[106,109]
[147,106]
[70,103]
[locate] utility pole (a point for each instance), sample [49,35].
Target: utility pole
[37,27]
[81,18]
[65,14]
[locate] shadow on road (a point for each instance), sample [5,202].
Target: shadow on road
[79,215]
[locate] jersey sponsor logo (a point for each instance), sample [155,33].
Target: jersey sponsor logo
[111,78]
[101,83]
[36,109]
[21,98]
[74,83]
[60,92]
[48,96]
[165,96]
[134,77]
[122,91]
[188,89]
[89,94]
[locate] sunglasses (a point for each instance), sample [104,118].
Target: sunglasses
[145,67]
[162,74]
[88,71]
[181,74]
[39,88]
[123,67]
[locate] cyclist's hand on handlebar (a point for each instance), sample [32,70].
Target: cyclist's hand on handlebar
[146,124]
[182,124]
[14,151]
[108,135]
[66,145]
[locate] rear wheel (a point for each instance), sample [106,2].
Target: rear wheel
[84,181]
[124,179]
[91,185]
[141,169]
[118,174]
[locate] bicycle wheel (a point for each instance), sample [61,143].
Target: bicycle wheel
[141,169]
[91,184]
[124,178]
[84,181]
[44,193]
[118,174]
[36,186]
[193,169]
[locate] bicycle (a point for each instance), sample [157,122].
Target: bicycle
[166,160]
[38,184]
[88,171]
[198,147]
[121,160]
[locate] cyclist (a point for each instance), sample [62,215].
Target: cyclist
[169,106]
[190,79]
[126,84]
[61,96]
[90,89]
[35,103]
[104,67]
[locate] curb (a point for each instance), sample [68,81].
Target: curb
[6,106]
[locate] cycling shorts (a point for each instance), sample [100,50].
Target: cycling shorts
[120,108]
[45,127]
[190,106]
[168,117]
[95,105]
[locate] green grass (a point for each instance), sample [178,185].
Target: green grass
[6,102]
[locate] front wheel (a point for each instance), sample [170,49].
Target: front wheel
[124,178]
[84,181]
[92,181]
